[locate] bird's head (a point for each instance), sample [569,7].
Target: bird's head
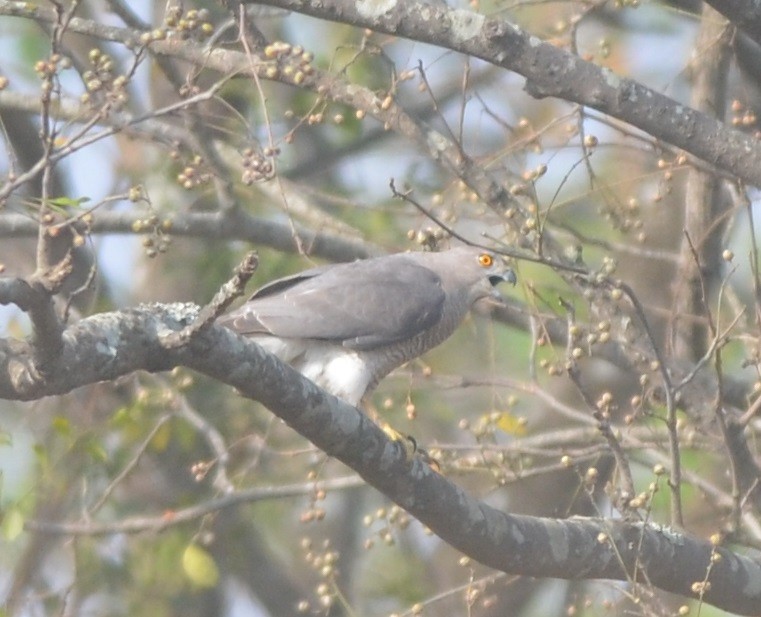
[495,269]
[469,273]
[484,270]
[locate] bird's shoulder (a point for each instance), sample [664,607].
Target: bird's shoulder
[286,282]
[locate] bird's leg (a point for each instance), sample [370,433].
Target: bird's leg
[407,442]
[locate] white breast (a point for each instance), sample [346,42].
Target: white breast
[342,372]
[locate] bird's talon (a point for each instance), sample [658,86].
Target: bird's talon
[410,447]
[423,455]
[407,442]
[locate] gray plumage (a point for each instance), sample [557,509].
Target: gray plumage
[346,326]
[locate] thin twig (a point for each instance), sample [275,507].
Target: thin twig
[232,289]
[169,519]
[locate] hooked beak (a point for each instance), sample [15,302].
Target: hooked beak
[508,276]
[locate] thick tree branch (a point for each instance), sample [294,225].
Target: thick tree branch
[35,300]
[550,71]
[110,345]
[744,14]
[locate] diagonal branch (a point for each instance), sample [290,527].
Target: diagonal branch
[550,71]
[744,14]
[110,345]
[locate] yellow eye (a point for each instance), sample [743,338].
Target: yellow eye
[485,260]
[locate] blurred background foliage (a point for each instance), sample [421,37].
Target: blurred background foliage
[181,195]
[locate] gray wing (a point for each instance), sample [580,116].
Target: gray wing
[361,305]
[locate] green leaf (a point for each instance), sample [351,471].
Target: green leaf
[68,202]
[199,566]
[62,426]
[41,454]
[161,439]
[511,424]
[13,524]
[96,450]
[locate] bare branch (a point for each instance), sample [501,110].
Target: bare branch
[552,71]
[236,225]
[112,344]
[169,519]
[234,288]
[744,14]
